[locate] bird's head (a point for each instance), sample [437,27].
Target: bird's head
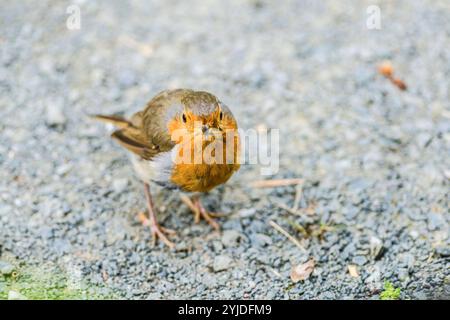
[204,129]
[202,114]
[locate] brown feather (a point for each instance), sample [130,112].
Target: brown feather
[130,136]
[115,120]
[133,143]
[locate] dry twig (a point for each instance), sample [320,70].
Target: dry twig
[285,207]
[286,234]
[275,183]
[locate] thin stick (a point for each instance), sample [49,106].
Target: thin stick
[285,207]
[275,272]
[298,197]
[275,183]
[286,234]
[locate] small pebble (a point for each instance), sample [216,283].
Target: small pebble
[260,240]
[245,213]
[55,116]
[14,295]
[443,251]
[6,268]
[222,262]
[376,247]
[230,238]
[359,260]
[119,185]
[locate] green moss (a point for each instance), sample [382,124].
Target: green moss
[389,292]
[50,283]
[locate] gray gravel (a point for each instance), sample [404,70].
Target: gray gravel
[375,160]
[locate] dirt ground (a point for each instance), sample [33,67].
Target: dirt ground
[374,159]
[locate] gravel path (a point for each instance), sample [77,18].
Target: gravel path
[375,160]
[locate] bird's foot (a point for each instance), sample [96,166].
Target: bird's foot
[200,212]
[157,230]
[150,221]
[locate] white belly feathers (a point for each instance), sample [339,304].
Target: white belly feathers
[157,170]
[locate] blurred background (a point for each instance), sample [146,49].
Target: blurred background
[373,207]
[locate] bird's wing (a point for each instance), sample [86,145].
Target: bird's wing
[135,143]
[131,136]
[146,133]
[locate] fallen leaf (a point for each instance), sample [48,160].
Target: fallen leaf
[353,270]
[302,271]
[399,83]
[386,69]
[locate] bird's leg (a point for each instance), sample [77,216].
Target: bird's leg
[156,229]
[199,211]
[206,215]
[187,201]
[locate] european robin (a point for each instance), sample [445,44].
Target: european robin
[183,139]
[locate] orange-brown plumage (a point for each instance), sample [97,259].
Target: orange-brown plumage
[202,177]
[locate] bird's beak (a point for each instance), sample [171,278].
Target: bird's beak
[210,133]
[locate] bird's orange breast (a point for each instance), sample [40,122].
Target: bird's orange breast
[201,175]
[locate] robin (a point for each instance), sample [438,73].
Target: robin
[182,140]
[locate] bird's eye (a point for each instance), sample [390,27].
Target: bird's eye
[221,115]
[184,118]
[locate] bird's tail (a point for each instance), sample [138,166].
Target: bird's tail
[117,121]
